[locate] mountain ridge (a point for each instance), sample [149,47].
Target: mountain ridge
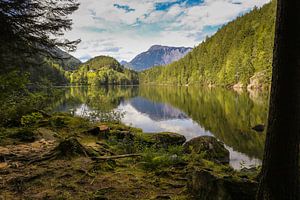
[157,55]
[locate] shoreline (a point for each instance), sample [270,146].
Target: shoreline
[61,144]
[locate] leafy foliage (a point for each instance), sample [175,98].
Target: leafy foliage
[18,97]
[31,33]
[155,159]
[234,54]
[31,119]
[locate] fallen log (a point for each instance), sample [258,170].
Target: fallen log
[116,157]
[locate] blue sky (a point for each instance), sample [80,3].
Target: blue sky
[125,28]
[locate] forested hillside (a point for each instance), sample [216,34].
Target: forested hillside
[52,71]
[103,70]
[239,53]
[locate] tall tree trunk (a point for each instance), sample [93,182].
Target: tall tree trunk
[279,178]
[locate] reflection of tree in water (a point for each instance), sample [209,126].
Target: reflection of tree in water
[226,114]
[95,102]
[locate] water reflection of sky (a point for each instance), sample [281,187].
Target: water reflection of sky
[186,127]
[153,116]
[239,160]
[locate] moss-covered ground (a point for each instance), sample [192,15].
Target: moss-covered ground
[155,166]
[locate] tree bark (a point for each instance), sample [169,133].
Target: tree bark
[279,175]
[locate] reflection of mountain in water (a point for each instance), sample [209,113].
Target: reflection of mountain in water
[225,114]
[156,111]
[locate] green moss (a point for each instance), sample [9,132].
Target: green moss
[158,171]
[23,135]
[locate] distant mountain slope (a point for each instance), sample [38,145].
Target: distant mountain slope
[103,70]
[156,111]
[66,61]
[53,71]
[157,55]
[126,64]
[240,52]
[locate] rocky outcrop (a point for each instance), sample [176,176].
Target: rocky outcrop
[166,139]
[210,147]
[258,81]
[203,184]
[239,87]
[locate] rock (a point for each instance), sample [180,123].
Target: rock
[203,184]
[239,87]
[101,131]
[257,81]
[212,148]
[3,165]
[259,128]
[166,139]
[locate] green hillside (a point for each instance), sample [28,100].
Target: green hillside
[240,52]
[103,70]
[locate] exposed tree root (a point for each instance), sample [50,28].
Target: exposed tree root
[68,148]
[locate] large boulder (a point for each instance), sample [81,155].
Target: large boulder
[210,147]
[166,139]
[203,184]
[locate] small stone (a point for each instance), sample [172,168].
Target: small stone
[3,165]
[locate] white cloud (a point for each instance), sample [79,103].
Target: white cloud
[108,30]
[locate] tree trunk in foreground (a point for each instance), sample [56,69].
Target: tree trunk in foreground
[279,178]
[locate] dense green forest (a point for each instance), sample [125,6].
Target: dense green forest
[103,70]
[240,52]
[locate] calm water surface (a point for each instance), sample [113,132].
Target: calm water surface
[191,111]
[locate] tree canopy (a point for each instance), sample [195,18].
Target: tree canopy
[31,27]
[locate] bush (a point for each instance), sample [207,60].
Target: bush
[31,119]
[153,158]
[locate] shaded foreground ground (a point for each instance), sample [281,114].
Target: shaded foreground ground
[66,157]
